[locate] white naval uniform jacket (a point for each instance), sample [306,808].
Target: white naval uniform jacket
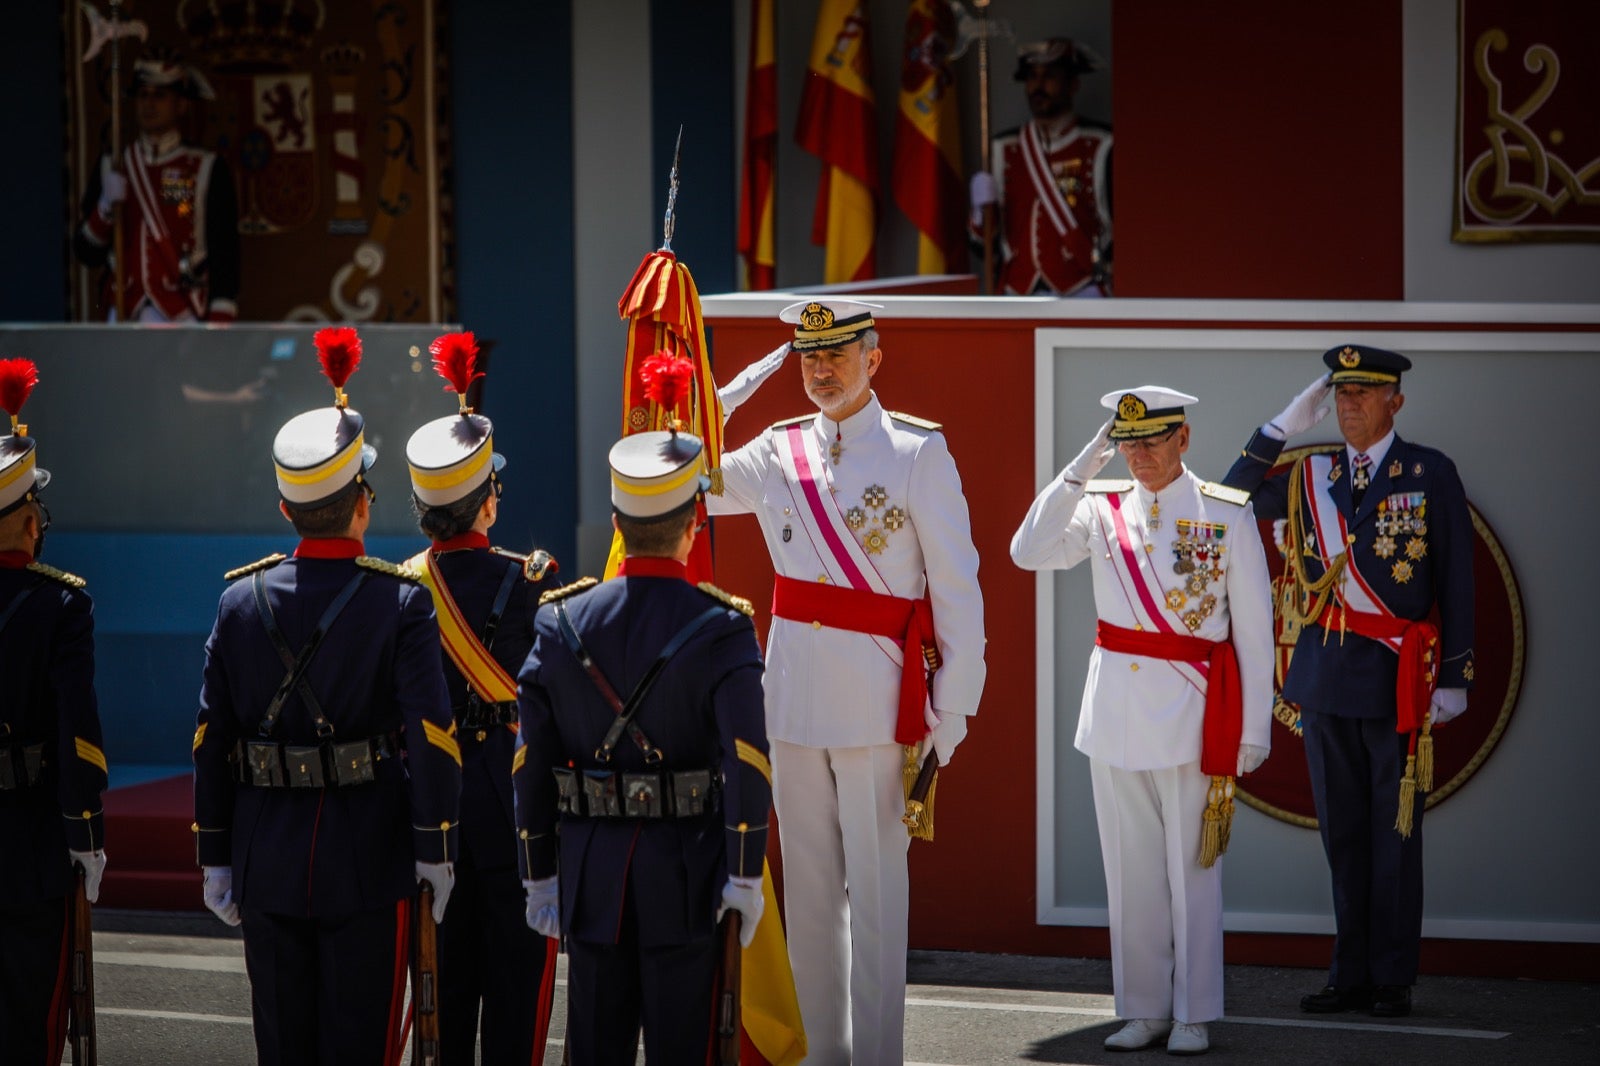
[1140,713]
[828,687]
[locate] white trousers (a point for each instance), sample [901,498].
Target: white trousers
[846,894]
[1166,910]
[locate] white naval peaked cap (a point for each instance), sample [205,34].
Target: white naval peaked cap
[826,322]
[1146,411]
[655,473]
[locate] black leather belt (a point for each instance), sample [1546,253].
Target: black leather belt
[480,715]
[267,764]
[654,794]
[21,766]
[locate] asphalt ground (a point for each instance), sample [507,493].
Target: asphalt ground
[172,989]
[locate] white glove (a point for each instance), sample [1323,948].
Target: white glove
[743,894]
[218,893]
[113,187]
[1250,757]
[441,876]
[1448,703]
[951,730]
[1303,412]
[747,381]
[983,191]
[94,868]
[544,906]
[1095,455]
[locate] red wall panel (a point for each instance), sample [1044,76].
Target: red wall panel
[1259,149]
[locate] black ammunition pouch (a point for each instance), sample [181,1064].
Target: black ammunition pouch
[653,794]
[480,715]
[265,764]
[21,766]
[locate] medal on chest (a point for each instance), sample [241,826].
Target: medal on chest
[1198,555]
[875,520]
[1402,524]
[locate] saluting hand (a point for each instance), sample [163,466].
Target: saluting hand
[1303,412]
[1095,455]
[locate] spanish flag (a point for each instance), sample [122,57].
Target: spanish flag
[927,140]
[757,187]
[838,126]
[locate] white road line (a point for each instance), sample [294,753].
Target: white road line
[175,1015]
[162,961]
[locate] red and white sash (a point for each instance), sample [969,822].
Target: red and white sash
[155,242]
[842,557]
[1332,531]
[1147,604]
[1052,202]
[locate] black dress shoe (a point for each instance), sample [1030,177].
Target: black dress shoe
[1333,1000]
[1391,1001]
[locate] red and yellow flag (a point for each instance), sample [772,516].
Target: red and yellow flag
[757,189]
[838,126]
[927,140]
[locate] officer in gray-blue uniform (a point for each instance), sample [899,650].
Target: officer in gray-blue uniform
[485,598]
[1379,534]
[327,772]
[52,766]
[643,738]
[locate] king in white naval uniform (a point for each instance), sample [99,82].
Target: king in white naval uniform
[1177,701]
[863,514]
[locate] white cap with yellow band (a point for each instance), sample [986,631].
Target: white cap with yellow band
[655,473]
[319,454]
[21,478]
[451,457]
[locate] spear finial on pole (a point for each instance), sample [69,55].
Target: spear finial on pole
[669,222]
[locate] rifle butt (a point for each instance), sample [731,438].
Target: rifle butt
[729,1025]
[80,976]
[425,982]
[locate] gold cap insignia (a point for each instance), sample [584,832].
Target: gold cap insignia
[816,317]
[1130,408]
[1349,358]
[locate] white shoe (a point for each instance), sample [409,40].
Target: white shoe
[1138,1034]
[1188,1038]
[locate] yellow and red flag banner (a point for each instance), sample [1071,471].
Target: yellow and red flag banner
[926,176]
[838,126]
[757,188]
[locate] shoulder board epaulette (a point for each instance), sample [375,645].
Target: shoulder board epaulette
[260,564]
[913,420]
[795,421]
[1225,493]
[583,584]
[738,603]
[72,581]
[1108,484]
[384,566]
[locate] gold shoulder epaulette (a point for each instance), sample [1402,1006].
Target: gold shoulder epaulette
[583,584]
[1225,493]
[260,564]
[72,581]
[738,603]
[1109,484]
[913,420]
[384,566]
[795,421]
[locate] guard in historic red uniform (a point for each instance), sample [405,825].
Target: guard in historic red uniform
[180,215]
[52,765]
[327,772]
[1050,181]
[643,740]
[485,597]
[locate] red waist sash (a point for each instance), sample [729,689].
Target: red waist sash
[1419,657]
[1223,727]
[908,622]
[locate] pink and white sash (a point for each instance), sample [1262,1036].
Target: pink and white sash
[1147,604]
[1332,531]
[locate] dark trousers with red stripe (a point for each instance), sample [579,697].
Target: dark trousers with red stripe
[614,988]
[33,987]
[490,960]
[328,991]
[1356,765]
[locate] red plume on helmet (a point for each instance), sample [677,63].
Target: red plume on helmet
[339,352]
[455,358]
[17,379]
[667,380]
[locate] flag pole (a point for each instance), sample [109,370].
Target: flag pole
[116,158]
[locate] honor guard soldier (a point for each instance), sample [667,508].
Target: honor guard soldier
[877,577]
[642,740]
[327,773]
[1378,535]
[485,599]
[180,234]
[1178,698]
[52,766]
[1050,180]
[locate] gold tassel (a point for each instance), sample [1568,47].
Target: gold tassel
[919,816]
[1408,798]
[1211,829]
[1227,816]
[1425,755]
